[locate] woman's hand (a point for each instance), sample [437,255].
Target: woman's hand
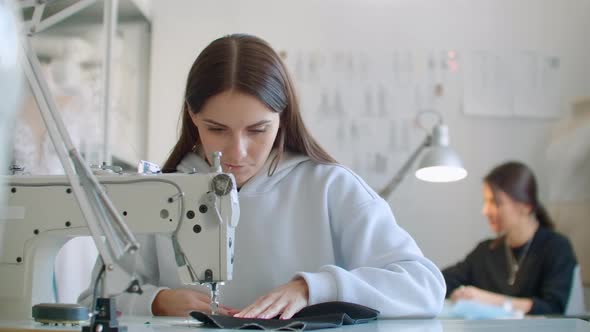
[286,300]
[180,302]
[476,294]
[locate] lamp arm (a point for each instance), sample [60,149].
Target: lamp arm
[401,173]
[98,211]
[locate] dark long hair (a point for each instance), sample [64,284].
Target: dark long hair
[519,183]
[249,65]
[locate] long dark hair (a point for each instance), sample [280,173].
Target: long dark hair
[249,65]
[517,181]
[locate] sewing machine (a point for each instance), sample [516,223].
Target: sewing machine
[198,211]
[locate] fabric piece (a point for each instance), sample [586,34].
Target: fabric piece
[469,309]
[318,316]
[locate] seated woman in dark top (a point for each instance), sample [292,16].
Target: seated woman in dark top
[528,266]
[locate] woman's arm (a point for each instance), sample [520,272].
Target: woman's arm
[154,263]
[558,267]
[480,295]
[377,265]
[129,304]
[459,274]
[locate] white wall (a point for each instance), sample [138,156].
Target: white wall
[444,219]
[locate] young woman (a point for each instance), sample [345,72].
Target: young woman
[528,266]
[310,230]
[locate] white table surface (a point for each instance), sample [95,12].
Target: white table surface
[159,324]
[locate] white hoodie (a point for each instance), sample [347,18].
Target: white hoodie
[318,221]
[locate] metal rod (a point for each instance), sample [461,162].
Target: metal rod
[110,25]
[61,142]
[401,173]
[62,15]
[28,3]
[97,209]
[37,16]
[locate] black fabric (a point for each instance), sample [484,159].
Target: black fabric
[545,274]
[317,316]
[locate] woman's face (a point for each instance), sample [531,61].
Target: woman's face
[503,212]
[242,128]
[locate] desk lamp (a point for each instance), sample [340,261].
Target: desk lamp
[439,162]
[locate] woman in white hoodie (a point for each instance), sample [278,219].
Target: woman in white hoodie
[310,230]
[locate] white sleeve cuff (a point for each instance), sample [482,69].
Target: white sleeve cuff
[321,285]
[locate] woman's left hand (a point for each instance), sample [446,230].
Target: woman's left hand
[286,300]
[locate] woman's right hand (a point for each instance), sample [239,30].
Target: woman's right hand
[180,302]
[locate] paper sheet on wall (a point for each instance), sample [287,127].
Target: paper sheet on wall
[486,90]
[516,84]
[536,85]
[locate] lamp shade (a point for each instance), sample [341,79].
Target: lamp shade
[439,163]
